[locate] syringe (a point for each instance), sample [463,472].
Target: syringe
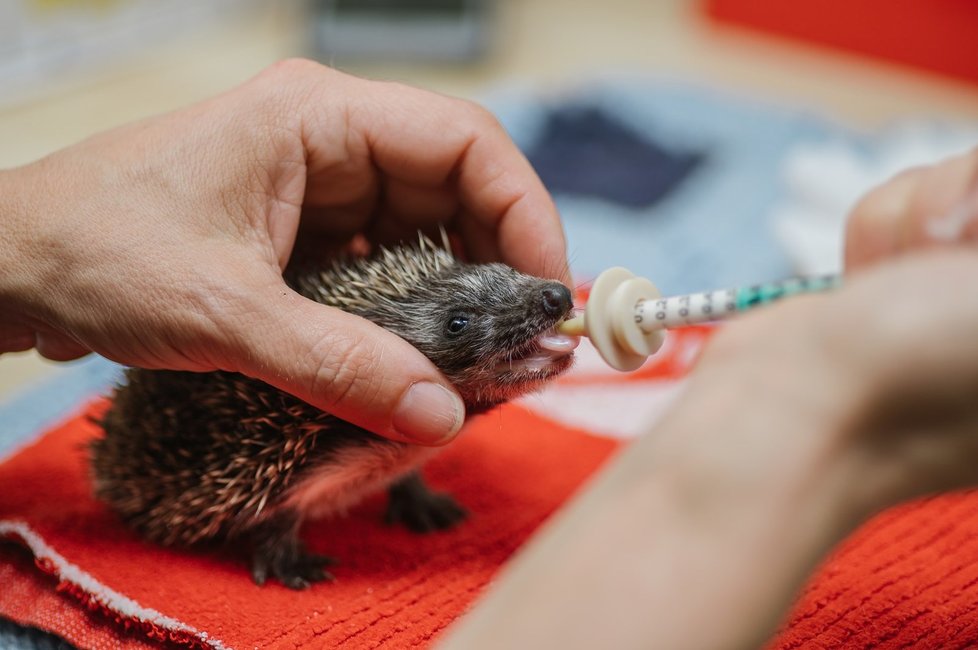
[625,315]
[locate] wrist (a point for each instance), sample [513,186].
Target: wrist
[752,419]
[750,509]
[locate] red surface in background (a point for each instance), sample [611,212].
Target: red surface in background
[937,35]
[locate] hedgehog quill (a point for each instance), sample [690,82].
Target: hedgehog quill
[191,458]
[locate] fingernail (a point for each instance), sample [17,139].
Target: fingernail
[429,414]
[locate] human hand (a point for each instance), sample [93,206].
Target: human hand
[930,413]
[803,420]
[885,362]
[161,244]
[799,422]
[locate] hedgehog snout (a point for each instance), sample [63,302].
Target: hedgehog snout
[555,299]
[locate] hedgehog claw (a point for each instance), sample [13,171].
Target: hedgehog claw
[259,572]
[278,553]
[419,509]
[294,568]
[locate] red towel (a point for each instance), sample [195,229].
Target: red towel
[908,579]
[511,470]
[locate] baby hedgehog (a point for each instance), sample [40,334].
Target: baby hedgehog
[189,458]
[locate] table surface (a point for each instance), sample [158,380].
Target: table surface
[547,43]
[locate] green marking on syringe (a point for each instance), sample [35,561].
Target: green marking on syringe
[760,294]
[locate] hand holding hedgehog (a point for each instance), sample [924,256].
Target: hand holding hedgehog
[191,457]
[162,244]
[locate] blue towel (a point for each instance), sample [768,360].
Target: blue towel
[584,151]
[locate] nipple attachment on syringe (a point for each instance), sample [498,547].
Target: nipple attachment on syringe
[609,319]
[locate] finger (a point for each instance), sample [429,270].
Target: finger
[58,347]
[418,206]
[342,217]
[878,226]
[919,208]
[16,338]
[388,231]
[945,209]
[424,139]
[478,240]
[499,188]
[346,366]
[408,210]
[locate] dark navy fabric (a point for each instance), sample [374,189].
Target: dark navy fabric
[583,150]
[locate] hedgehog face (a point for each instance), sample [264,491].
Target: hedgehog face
[489,328]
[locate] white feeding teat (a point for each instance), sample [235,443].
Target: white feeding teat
[612,322]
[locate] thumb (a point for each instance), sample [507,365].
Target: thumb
[347,366]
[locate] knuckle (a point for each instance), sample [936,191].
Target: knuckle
[480,117]
[296,67]
[285,86]
[399,88]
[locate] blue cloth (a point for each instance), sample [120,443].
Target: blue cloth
[711,230]
[36,408]
[584,151]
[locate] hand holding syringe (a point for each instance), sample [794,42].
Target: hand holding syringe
[625,316]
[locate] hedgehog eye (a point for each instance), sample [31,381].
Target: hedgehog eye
[457,324]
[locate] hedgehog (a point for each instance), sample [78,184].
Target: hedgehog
[189,459]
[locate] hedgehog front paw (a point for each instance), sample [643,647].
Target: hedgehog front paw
[277,552]
[291,565]
[419,509]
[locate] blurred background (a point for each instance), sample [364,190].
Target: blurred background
[702,143]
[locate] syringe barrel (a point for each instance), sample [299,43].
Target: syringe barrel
[677,311]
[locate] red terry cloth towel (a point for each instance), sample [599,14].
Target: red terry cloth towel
[392,587]
[101,586]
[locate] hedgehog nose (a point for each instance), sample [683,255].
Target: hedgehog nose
[556,299]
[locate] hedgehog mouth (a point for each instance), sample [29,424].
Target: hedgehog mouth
[547,354]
